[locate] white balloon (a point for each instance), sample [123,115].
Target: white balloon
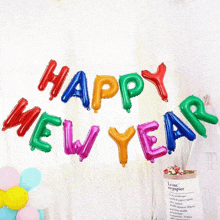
[40,197]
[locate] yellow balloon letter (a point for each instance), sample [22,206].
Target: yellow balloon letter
[99,93]
[122,141]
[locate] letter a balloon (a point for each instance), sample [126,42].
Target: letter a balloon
[171,119]
[71,91]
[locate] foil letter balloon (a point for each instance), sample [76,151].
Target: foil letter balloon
[122,141]
[157,80]
[127,93]
[57,80]
[147,141]
[99,93]
[41,131]
[199,114]
[82,150]
[71,91]
[25,119]
[171,119]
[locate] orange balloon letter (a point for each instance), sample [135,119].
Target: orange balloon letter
[122,141]
[99,93]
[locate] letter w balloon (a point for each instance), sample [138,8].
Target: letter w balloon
[71,147]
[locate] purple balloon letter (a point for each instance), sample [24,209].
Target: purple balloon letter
[148,141]
[71,147]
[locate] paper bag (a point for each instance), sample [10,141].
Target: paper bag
[183,199]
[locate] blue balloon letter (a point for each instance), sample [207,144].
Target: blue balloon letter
[171,119]
[71,91]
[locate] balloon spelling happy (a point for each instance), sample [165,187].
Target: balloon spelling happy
[122,141]
[99,93]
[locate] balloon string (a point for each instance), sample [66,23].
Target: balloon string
[206,100]
[214,112]
[207,103]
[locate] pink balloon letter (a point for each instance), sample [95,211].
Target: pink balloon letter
[71,147]
[148,141]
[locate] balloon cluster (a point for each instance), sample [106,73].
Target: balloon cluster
[26,119]
[21,197]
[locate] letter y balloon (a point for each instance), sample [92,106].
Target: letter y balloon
[157,80]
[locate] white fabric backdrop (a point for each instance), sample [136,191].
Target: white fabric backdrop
[105,38]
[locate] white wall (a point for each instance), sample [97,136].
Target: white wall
[105,38]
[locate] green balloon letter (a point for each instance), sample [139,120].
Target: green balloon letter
[126,93]
[41,131]
[199,114]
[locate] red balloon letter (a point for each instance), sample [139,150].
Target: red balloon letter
[57,80]
[25,119]
[157,80]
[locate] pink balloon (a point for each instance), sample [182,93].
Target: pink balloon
[9,177]
[28,213]
[77,148]
[147,142]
